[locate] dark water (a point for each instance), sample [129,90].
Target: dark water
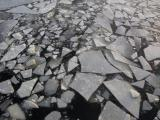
[79,108]
[149,115]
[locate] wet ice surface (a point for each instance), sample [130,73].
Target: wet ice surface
[79,59]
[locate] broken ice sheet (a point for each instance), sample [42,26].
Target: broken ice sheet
[118,23]
[153,80]
[121,30]
[17,36]
[128,9]
[48,7]
[112,112]
[16,112]
[116,1]
[31,63]
[5,27]
[117,56]
[66,81]
[6,4]
[72,63]
[22,59]
[86,84]
[48,72]
[146,106]
[22,9]
[151,52]
[61,103]
[121,90]
[19,67]
[107,11]
[39,70]
[40,4]
[138,42]
[152,98]
[29,104]
[14,80]
[51,87]
[44,102]
[65,51]
[144,63]
[122,46]
[53,63]
[119,65]
[6,87]
[54,115]
[139,84]
[67,96]
[27,31]
[26,73]
[104,22]
[139,73]
[134,32]
[3,46]
[94,62]
[38,88]
[99,41]
[13,52]
[62,69]
[26,88]
[5,16]
[119,14]
[32,50]
[157,91]
[5,104]
[68,2]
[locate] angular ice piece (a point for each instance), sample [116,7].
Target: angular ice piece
[6,87]
[121,90]
[6,4]
[112,112]
[22,9]
[13,52]
[26,88]
[139,73]
[16,112]
[152,52]
[134,32]
[86,84]
[55,115]
[94,62]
